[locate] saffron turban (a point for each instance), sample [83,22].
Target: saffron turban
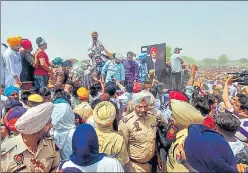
[35,119]
[185,114]
[14,41]
[83,93]
[104,113]
[26,44]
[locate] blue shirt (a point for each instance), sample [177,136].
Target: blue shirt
[111,68]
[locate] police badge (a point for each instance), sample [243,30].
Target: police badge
[19,158]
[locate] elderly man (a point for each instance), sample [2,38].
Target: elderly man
[42,64]
[110,142]
[12,62]
[32,150]
[131,69]
[12,93]
[114,70]
[139,131]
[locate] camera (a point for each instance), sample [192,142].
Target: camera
[240,78]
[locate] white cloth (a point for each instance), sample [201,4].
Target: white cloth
[107,164]
[91,121]
[3,49]
[236,146]
[35,119]
[175,62]
[2,104]
[64,142]
[64,127]
[13,66]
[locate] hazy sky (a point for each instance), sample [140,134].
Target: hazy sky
[202,29]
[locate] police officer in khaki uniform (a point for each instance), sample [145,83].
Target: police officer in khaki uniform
[31,151]
[110,142]
[139,131]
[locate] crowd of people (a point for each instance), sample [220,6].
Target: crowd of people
[112,114]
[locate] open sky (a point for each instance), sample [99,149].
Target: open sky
[202,29]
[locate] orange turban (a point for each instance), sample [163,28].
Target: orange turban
[14,41]
[83,93]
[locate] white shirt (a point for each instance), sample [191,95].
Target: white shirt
[175,62]
[97,48]
[3,48]
[236,146]
[107,164]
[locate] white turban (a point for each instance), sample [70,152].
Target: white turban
[34,119]
[185,114]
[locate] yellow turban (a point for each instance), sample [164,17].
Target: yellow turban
[84,110]
[14,41]
[185,114]
[35,98]
[83,93]
[104,113]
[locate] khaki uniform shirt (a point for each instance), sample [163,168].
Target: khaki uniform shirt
[140,136]
[15,156]
[113,144]
[173,165]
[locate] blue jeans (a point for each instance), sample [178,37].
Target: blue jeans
[40,81]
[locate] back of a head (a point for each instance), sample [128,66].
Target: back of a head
[202,104]
[44,91]
[227,122]
[111,90]
[25,95]
[38,40]
[129,88]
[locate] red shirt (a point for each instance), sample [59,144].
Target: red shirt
[209,122]
[40,71]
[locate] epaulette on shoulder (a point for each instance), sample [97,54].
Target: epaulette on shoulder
[127,117]
[8,145]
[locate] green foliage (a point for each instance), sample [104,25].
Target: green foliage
[209,61]
[189,60]
[243,60]
[222,59]
[168,53]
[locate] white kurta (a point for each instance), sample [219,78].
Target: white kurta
[13,66]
